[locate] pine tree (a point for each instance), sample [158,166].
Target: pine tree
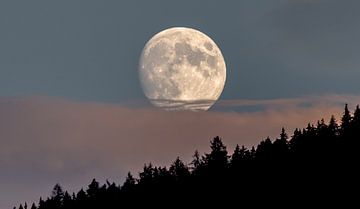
[93,188]
[252,152]
[345,120]
[296,140]
[283,135]
[129,183]
[67,199]
[81,195]
[333,127]
[310,130]
[321,126]
[196,162]
[236,157]
[280,146]
[264,149]
[239,157]
[356,119]
[297,132]
[57,194]
[178,169]
[218,158]
[41,204]
[146,176]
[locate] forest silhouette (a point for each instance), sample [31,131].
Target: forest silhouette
[318,163]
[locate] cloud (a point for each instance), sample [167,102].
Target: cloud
[44,141]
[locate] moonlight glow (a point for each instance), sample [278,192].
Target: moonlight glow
[182,69]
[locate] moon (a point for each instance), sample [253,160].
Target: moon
[182,69]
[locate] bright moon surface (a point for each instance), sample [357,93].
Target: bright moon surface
[182,69]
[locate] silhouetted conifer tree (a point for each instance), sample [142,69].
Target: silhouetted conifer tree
[197,163]
[81,195]
[57,196]
[41,204]
[217,159]
[333,127]
[93,189]
[295,139]
[280,147]
[345,120]
[355,125]
[179,170]
[129,183]
[146,176]
[356,119]
[236,157]
[252,152]
[67,200]
[264,150]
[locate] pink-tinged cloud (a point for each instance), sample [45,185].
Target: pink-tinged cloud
[45,141]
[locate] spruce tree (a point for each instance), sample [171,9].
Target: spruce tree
[345,121]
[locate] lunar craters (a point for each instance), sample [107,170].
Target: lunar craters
[193,56]
[208,46]
[212,61]
[184,52]
[182,68]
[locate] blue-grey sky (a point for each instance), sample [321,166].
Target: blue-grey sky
[89,50]
[298,60]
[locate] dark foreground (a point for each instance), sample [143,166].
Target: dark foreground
[316,166]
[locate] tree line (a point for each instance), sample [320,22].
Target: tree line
[319,159]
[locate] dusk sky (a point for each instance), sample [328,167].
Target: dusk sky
[71,105]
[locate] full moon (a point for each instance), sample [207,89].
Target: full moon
[182,69]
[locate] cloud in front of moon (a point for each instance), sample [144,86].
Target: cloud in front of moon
[182,69]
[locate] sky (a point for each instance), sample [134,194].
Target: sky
[71,107]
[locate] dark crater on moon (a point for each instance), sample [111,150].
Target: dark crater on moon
[208,46]
[194,57]
[212,60]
